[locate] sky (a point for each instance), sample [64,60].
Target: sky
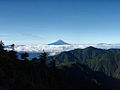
[45,21]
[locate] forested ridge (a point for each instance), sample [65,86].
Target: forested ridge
[107,61]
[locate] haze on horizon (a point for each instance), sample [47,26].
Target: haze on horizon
[43,22]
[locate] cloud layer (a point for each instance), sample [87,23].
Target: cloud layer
[35,50]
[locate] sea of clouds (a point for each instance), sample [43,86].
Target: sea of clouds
[35,50]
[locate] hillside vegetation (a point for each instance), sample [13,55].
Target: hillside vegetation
[37,74]
[107,61]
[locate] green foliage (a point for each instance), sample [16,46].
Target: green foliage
[108,63]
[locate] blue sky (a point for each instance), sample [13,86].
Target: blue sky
[45,21]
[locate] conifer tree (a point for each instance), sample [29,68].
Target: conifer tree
[24,56]
[34,60]
[43,58]
[13,47]
[53,64]
[1,46]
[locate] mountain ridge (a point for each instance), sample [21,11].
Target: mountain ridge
[107,61]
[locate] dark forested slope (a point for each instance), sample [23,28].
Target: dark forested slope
[23,74]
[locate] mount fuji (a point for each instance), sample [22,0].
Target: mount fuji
[59,42]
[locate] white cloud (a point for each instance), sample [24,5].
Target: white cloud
[33,35]
[35,50]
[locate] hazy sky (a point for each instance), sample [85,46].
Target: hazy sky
[45,21]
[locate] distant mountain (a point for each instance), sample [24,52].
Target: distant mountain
[79,55]
[107,61]
[103,44]
[59,42]
[107,46]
